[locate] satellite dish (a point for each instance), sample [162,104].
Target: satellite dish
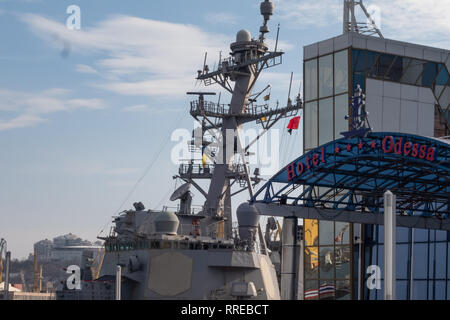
[180,192]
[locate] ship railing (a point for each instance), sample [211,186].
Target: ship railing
[195,169]
[209,108]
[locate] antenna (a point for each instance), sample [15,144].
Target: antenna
[290,86]
[266,12]
[278,33]
[352,25]
[204,61]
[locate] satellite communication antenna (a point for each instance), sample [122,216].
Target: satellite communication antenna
[184,195]
[181,192]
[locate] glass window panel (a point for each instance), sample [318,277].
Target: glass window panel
[341,233]
[311,138]
[311,232]
[311,290]
[429,74]
[326,76]
[311,262]
[441,260]
[420,290]
[420,260]
[358,60]
[359,79]
[342,262]
[444,98]
[401,290]
[396,69]
[442,77]
[325,121]
[402,254]
[432,235]
[381,234]
[431,262]
[420,235]
[448,261]
[341,72]
[381,258]
[402,234]
[343,290]
[412,71]
[311,80]
[327,290]
[326,233]
[430,290]
[383,64]
[441,235]
[380,293]
[326,262]
[371,58]
[341,104]
[439,293]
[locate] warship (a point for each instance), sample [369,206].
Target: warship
[202,254]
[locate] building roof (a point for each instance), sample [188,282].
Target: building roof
[372,43]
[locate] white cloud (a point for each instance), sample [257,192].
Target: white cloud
[304,14]
[28,109]
[21,121]
[82,68]
[167,54]
[136,108]
[418,21]
[223,18]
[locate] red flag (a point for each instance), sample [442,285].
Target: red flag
[293,124]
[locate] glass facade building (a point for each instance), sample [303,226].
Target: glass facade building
[408,90]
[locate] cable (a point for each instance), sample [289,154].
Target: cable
[147,170]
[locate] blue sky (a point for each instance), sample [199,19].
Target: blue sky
[84,112]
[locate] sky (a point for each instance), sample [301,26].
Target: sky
[87,116]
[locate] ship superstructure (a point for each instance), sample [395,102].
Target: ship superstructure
[187,255]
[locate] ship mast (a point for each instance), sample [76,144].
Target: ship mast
[248,58]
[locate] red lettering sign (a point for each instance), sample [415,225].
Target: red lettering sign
[391,144]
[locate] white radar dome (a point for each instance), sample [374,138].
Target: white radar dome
[243,35]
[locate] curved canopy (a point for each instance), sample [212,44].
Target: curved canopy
[353,174]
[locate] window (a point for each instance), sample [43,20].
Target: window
[413,71]
[326,76]
[326,233]
[420,290]
[341,72]
[341,105]
[325,121]
[342,233]
[311,138]
[420,260]
[326,262]
[311,80]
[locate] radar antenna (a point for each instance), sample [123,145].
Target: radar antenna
[352,25]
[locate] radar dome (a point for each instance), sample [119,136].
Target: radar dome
[166,223]
[243,35]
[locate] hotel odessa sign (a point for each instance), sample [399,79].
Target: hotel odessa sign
[387,145]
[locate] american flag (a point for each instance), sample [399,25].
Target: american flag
[326,290]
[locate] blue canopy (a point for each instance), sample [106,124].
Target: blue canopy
[353,174]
